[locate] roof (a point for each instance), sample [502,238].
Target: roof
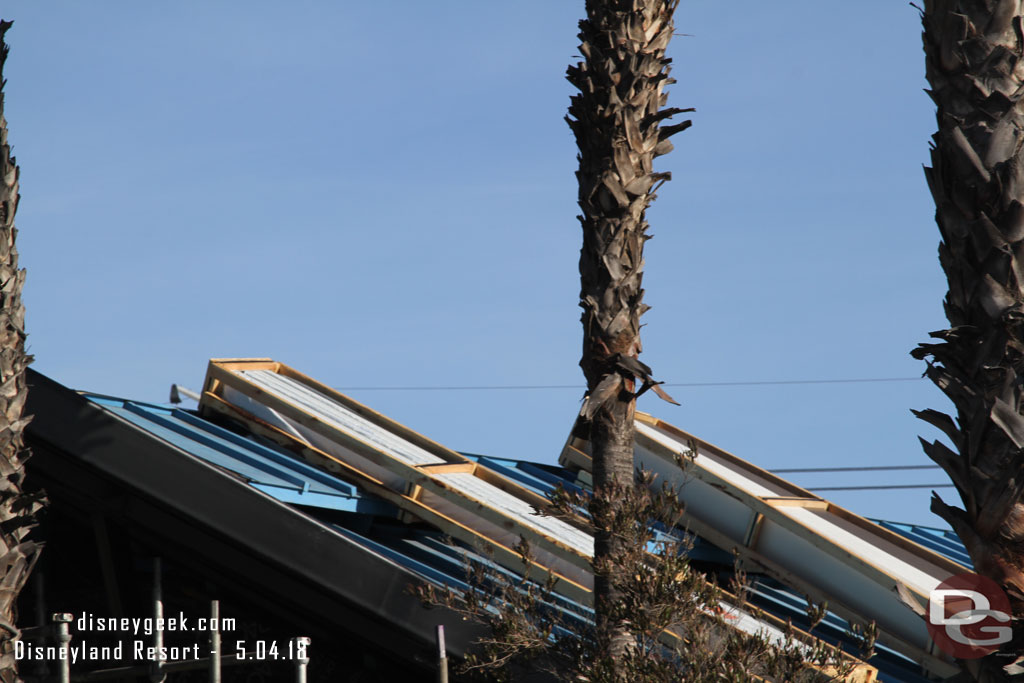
[312,519]
[780,529]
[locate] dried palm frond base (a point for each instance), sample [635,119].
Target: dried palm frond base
[18,510]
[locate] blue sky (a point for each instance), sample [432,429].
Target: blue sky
[382,195]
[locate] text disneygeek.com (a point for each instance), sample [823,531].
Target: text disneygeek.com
[148,625]
[134,645]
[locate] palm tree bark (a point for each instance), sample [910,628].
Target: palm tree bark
[17,510]
[974,66]
[616,120]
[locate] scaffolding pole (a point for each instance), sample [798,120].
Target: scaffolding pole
[302,658]
[62,619]
[214,641]
[158,674]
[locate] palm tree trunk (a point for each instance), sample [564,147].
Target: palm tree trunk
[17,510]
[615,118]
[973,54]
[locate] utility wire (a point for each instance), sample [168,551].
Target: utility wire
[795,381]
[879,488]
[791,470]
[578,387]
[876,468]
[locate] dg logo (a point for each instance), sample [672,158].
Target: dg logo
[969,616]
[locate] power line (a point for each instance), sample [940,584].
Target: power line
[880,488]
[578,387]
[796,381]
[876,468]
[480,387]
[791,470]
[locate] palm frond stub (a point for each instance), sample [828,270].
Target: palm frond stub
[17,510]
[617,118]
[973,54]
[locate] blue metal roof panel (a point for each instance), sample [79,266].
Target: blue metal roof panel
[363,505]
[448,563]
[239,463]
[531,475]
[424,569]
[271,453]
[942,541]
[274,472]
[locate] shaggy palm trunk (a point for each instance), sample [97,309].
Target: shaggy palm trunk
[615,118]
[17,511]
[974,67]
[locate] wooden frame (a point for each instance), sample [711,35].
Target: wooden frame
[418,479]
[408,504]
[222,374]
[768,516]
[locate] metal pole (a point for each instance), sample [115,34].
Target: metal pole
[302,658]
[157,673]
[62,619]
[214,641]
[442,656]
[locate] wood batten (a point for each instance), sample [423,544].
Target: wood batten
[449,468]
[793,501]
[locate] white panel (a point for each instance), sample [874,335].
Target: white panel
[857,567]
[311,438]
[268,415]
[914,571]
[747,481]
[835,578]
[872,549]
[488,494]
[507,538]
[341,418]
[704,502]
[336,415]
